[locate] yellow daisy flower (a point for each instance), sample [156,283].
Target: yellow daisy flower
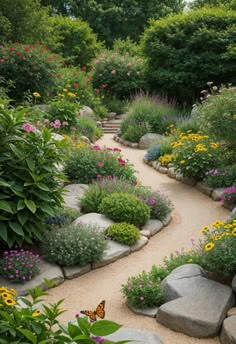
[36,94]
[9,301]
[209,246]
[204,229]
[218,237]
[36,313]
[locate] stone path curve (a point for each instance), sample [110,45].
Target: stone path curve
[193,210]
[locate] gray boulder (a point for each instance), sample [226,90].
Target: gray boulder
[148,312]
[137,336]
[163,169]
[171,172]
[74,271]
[197,306]
[148,139]
[87,112]
[217,194]
[153,226]
[205,189]
[96,219]
[114,251]
[234,284]
[228,333]
[74,193]
[139,244]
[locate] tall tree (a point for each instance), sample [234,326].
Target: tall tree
[112,19]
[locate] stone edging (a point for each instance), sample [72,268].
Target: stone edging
[126,143]
[115,251]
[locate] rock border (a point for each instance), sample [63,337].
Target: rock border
[59,274]
[126,143]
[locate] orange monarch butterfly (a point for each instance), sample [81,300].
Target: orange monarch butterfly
[100,312]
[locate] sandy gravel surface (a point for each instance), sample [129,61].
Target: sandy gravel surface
[193,210]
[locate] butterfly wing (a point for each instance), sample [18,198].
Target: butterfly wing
[90,314]
[100,310]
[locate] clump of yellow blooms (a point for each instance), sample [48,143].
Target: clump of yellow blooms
[166,159]
[75,143]
[7,297]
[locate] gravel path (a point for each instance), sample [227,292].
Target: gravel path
[193,210]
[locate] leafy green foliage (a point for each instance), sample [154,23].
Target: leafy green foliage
[19,265]
[64,111]
[63,217]
[124,207]
[76,41]
[190,49]
[124,233]
[91,163]
[118,75]
[37,322]
[135,131]
[74,244]
[31,68]
[217,116]
[87,127]
[222,177]
[28,177]
[143,291]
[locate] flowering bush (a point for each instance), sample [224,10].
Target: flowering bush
[142,291]
[29,189]
[166,159]
[19,265]
[18,323]
[126,208]
[31,68]
[117,74]
[124,233]
[222,177]
[219,247]
[65,112]
[74,244]
[91,163]
[195,154]
[229,196]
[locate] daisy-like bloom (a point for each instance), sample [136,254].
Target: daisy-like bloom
[3,290]
[190,260]
[36,95]
[218,237]
[204,229]
[36,313]
[218,224]
[214,145]
[70,94]
[182,162]
[9,301]
[228,226]
[234,232]
[209,246]
[6,295]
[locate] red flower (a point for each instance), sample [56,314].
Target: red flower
[117,149]
[2,60]
[49,59]
[104,85]
[18,53]
[100,163]
[123,164]
[121,160]
[76,85]
[84,68]
[86,86]
[11,49]
[97,90]
[4,53]
[26,49]
[90,78]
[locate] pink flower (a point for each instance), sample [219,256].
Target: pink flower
[99,176]
[28,127]
[73,128]
[141,298]
[84,68]
[65,123]
[117,149]
[121,160]
[97,90]
[38,123]
[113,71]
[76,85]
[100,163]
[104,85]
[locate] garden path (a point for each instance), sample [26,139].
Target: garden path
[193,210]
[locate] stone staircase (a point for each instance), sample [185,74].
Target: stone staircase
[111,126]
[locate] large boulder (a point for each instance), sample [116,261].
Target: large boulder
[228,333]
[87,112]
[95,219]
[197,306]
[148,139]
[73,195]
[114,252]
[234,284]
[137,336]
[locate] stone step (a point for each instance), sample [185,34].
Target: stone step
[109,131]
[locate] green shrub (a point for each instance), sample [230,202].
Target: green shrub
[87,127]
[229,196]
[19,265]
[185,49]
[123,46]
[195,154]
[124,233]
[136,131]
[181,257]
[124,207]
[31,68]
[222,177]
[142,292]
[64,111]
[118,75]
[217,116]
[79,83]
[88,164]
[76,41]
[30,188]
[75,244]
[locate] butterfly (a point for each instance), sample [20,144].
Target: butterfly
[100,312]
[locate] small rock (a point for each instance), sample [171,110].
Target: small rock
[111,115]
[167,220]
[179,177]
[231,312]
[139,244]
[99,124]
[126,143]
[233,213]
[85,139]
[170,165]
[57,137]
[114,251]
[71,272]
[217,194]
[228,333]
[171,172]
[87,112]
[153,226]
[146,140]
[134,145]
[121,140]
[158,166]
[74,193]
[234,284]
[149,312]
[136,336]
[96,219]
[204,188]
[189,181]
[163,170]
[146,233]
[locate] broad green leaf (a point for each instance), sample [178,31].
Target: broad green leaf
[84,324]
[47,209]
[3,218]
[74,330]
[42,195]
[23,216]
[30,205]
[16,227]
[3,231]
[104,327]
[3,183]
[42,186]
[28,334]
[5,206]
[19,154]
[83,339]
[20,205]
[31,164]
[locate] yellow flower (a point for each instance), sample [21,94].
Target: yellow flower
[182,162]
[36,94]
[228,226]
[218,224]
[9,301]
[3,290]
[209,246]
[6,295]
[36,313]
[190,260]
[70,94]
[204,229]
[218,237]
[214,145]
[65,89]
[234,232]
